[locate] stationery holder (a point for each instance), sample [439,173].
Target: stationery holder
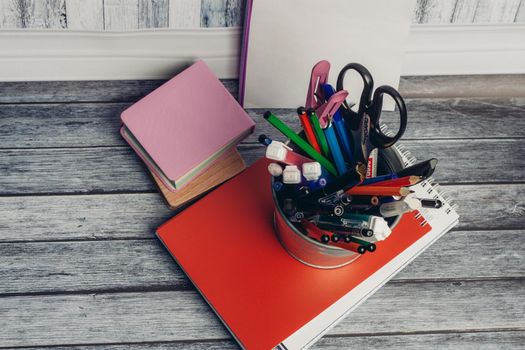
[316,254]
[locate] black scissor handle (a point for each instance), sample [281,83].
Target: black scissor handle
[351,117]
[377,137]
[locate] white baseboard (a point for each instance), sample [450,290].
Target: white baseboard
[28,55]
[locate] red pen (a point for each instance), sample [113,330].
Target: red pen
[308,130]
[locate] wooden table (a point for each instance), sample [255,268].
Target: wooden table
[80,265]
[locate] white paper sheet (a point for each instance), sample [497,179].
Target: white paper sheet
[286,38]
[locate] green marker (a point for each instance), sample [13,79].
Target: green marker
[319,134]
[369,246]
[300,142]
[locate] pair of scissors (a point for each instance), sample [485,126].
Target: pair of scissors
[364,124]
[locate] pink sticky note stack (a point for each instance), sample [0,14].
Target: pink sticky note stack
[186,124]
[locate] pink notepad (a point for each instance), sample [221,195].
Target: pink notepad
[185,124]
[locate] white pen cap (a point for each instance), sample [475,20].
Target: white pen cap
[312,171]
[291,175]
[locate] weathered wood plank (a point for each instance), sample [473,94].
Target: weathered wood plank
[221,13]
[520,14]
[489,86]
[92,217]
[98,266]
[464,11]
[121,15]
[447,341]
[183,315]
[496,11]
[8,14]
[85,15]
[85,91]
[103,169]
[74,125]
[39,13]
[434,11]
[153,13]
[185,13]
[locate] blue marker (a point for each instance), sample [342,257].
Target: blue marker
[329,133]
[340,126]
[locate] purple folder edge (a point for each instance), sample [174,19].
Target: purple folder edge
[244,50]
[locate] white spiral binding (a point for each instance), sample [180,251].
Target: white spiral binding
[434,189]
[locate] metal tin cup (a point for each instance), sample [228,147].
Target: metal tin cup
[314,253]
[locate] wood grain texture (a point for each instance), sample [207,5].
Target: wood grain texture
[221,13]
[496,11]
[85,15]
[120,15]
[99,170]
[520,14]
[153,14]
[130,265]
[492,87]
[49,14]
[136,216]
[466,11]
[85,91]
[8,16]
[96,124]
[447,341]
[184,13]
[183,315]
[434,11]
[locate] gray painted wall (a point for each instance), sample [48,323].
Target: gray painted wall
[123,15]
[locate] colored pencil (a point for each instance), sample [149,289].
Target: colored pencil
[406,181]
[381,191]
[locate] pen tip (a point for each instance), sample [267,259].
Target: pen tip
[267,114]
[310,111]
[300,110]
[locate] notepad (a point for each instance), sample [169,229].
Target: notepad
[183,126]
[265,297]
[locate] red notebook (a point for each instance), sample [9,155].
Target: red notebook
[226,244]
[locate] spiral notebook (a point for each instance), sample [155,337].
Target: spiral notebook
[265,297]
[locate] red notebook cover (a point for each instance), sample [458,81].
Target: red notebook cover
[227,246]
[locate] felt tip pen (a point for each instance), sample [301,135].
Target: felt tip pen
[318,131]
[280,152]
[300,142]
[431,203]
[335,150]
[265,140]
[275,169]
[340,126]
[399,207]
[307,127]
[365,225]
[352,177]
[371,247]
